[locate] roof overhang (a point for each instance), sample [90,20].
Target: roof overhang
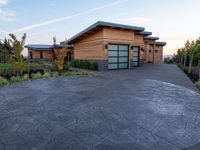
[145,33]
[39,47]
[151,38]
[101,24]
[161,43]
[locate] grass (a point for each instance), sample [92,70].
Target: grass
[18,79]
[3,81]
[76,73]
[198,85]
[46,75]
[37,76]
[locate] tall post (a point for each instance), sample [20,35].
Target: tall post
[153,53]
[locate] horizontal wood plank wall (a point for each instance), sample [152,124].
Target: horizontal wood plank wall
[159,55]
[36,54]
[90,47]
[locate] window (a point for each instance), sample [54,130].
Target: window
[156,51]
[31,55]
[41,55]
[149,51]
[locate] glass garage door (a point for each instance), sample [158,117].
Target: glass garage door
[136,58]
[118,56]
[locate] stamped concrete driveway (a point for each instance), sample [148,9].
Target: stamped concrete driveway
[150,108]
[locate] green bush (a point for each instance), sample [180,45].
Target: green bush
[198,85]
[16,79]
[46,75]
[37,76]
[55,74]
[6,69]
[3,81]
[25,77]
[84,65]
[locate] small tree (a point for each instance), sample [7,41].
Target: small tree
[58,56]
[195,50]
[17,57]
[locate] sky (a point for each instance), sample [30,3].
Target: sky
[174,21]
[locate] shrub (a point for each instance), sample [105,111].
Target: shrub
[55,74]
[3,81]
[6,70]
[25,77]
[16,79]
[84,64]
[198,85]
[46,75]
[37,76]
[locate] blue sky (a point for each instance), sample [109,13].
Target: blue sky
[174,21]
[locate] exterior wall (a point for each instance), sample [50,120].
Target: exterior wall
[90,48]
[158,58]
[47,54]
[36,54]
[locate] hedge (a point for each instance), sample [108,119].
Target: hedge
[84,64]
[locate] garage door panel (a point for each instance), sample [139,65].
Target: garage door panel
[113,53]
[113,60]
[123,53]
[123,59]
[112,66]
[113,47]
[123,47]
[123,65]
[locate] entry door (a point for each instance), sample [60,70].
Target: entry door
[136,56]
[118,56]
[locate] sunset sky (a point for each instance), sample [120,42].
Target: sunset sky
[174,21]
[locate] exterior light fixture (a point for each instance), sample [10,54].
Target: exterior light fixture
[106,46]
[132,47]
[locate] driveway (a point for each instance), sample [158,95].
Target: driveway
[154,107]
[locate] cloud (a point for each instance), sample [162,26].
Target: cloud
[138,20]
[3,2]
[6,15]
[67,17]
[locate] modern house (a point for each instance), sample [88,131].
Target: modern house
[112,46]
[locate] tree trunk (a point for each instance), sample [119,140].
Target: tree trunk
[185,58]
[191,62]
[199,73]
[181,61]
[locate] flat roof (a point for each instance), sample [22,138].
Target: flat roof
[39,46]
[105,24]
[151,38]
[43,47]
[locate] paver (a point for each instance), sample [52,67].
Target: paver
[121,109]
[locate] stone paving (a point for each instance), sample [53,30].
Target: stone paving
[146,108]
